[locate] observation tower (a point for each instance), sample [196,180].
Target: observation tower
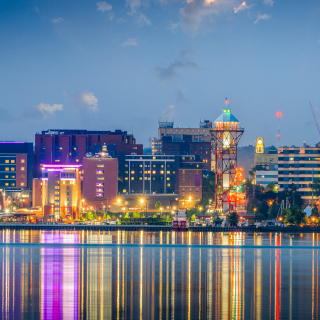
[227,135]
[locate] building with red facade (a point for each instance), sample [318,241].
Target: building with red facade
[61,191]
[100,182]
[189,179]
[71,146]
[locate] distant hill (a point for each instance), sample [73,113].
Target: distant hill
[246,159]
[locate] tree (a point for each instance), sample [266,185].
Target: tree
[113,217]
[273,211]
[127,216]
[259,216]
[93,216]
[108,217]
[315,186]
[208,189]
[157,205]
[271,186]
[104,217]
[217,220]
[154,216]
[136,215]
[314,210]
[193,218]
[233,218]
[298,215]
[263,208]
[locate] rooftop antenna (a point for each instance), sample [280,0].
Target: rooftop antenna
[314,116]
[279,115]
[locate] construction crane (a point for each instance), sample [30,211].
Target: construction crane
[314,116]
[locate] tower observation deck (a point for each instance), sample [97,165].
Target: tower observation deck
[227,135]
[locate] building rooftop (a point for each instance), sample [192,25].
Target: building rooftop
[226,116]
[82,132]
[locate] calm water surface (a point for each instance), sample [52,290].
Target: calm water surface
[158,275]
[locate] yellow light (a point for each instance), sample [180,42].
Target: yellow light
[141,200]
[118,200]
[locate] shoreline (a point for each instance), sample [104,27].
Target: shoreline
[155,228]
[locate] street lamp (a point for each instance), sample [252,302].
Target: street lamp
[161,211]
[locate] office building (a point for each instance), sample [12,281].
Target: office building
[264,177]
[188,147]
[299,166]
[71,146]
[61,190]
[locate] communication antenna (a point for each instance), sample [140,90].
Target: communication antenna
[279,115]
[314,116]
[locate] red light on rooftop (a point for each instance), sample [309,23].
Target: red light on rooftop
[279,114]
[226,102]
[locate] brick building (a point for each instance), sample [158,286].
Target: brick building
[100,181]
[71,146]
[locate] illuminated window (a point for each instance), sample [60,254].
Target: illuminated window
[57,192]
[13,169]
[173,172]
[132,172]
[140,178]
[99,195]
[290,159]
[168,184]
[124,190]
[13,177]
[99,184]
[100,165]
[13,161]
[57,182]
[56,198]
[132,178]
[99,171]
[6,177]
[6,184]
[168,178]
[57,187]
[162,166]
[77,160]
[145,178]
[6,161]
[168,172]
[140,165]
[126,165]
[22,160]
[6,169]
[161,171]
[57,161]
[126,178]
[153,172]
[12,184]
[99,190]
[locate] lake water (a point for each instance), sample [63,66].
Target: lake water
[158,275]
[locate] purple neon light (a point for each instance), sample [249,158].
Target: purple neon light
[9,142]
[61,165]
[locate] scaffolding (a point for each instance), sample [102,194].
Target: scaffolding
[227,135]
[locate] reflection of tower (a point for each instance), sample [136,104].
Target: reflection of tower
[226,135]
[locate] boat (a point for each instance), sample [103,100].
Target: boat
[180,221]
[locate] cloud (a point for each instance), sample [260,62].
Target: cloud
[193,13]
[130,42]
[103,6]
[268,2]
[262,17]
[57,20]
[143,20]
[170,72]
[36,9]
[169,112]
[180,95]
[242,6]
[40,111]
[84,101]
[133,4]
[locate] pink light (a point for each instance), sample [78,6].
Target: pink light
[75,166]
[54,169]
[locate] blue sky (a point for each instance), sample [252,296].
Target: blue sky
[106,65]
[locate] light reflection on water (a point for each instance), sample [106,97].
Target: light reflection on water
[160,282]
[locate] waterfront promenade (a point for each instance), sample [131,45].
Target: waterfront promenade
[155,228]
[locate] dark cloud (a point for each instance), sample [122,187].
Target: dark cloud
[180,95]
[170,72]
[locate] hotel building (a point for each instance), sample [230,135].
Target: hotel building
[61,191]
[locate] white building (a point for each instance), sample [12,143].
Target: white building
[264,177]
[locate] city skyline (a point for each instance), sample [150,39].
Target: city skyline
[106,65]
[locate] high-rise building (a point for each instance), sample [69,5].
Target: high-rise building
[61,190]
[299,166]
[201,134]
[71,146]
[188,147]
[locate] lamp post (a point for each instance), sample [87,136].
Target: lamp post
[161,211]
